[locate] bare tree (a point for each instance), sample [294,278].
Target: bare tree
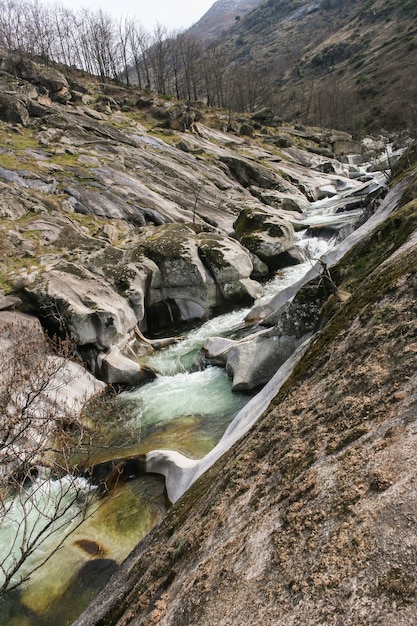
[139,40]
[12,25]
[41,499]
[101,42]
[40,30]
[191,56]
[159,60]
[126,36]
[213,65]
[174,58]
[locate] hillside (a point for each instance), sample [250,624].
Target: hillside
[333,63]
[221,16]
[125,217]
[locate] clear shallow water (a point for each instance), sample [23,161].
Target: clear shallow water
[183,356]
[187,409]
[187,412]
[201,393]
[60,590]
[27,520]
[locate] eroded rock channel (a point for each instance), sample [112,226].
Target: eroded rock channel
[117,231]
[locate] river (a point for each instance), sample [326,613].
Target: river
[186,409]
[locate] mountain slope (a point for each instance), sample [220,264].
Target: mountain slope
[333,63]
[222,15]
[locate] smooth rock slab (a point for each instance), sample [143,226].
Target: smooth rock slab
[251,362]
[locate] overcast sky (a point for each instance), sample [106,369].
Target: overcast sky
[174,14]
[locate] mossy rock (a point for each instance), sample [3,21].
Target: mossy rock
[169,241]
[254,220]
[376,247]
[248,221]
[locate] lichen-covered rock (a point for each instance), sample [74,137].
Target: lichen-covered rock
[294,202]
[265,234]
[183,117]
[11,206]
[250,173]
[231,266]
[197,272]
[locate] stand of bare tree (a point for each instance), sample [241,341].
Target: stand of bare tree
[172,64]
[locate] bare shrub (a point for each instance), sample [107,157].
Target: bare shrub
[41,498]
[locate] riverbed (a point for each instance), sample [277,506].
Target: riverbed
[187,408]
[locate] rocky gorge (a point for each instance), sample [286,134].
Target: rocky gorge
[124,216]
[310,516]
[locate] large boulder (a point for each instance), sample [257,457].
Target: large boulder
[128,272]
[265,234]
[231,265]
[197,272]
[54,83]
[75,301]
[182,288]
[117,369]
[251,362]
[13,110]
[248,173]
[39,390]
[183,118]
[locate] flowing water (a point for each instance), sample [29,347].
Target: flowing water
[186,409]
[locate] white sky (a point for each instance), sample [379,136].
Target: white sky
[174,14]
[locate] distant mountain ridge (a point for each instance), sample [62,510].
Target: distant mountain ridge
[221,16]
[328,63]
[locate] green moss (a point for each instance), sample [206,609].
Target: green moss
[368,289]
[168,242]
[369,253]
[410,192]
[14,157]
[66,160]
[11,162]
